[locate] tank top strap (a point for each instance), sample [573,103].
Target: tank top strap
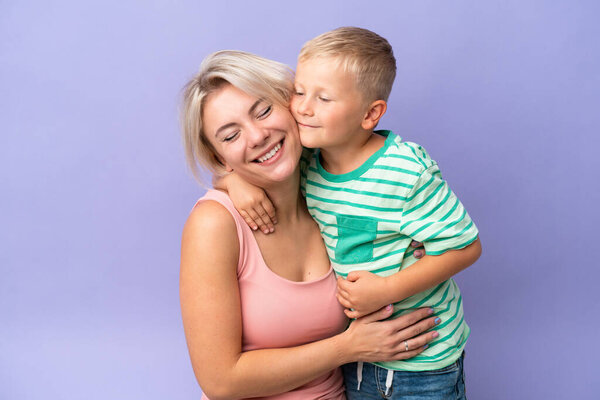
[245,236]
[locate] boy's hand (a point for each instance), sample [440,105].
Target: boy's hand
[255,207]
[251,201]
[363,292]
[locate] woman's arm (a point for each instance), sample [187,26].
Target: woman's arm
[212,322]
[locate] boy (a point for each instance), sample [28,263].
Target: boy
[371,194]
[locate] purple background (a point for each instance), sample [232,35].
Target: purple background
[504,94]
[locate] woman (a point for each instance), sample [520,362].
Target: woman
[259,311]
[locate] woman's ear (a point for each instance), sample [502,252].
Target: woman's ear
[222,163]
[373,115]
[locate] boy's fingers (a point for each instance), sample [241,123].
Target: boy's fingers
[352,276]
[248,220]
[348,299]
[257,220]
[352,313]
[343,284]
[343,302]
[265,220]
[343,294]
[268,207]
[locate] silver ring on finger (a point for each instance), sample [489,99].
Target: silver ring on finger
[406,345]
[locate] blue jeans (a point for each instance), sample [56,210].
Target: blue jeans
[442,384]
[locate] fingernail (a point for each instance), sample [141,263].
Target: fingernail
[417,253]
[436,321]
[265,230]
[435,334]
[388,307]
[271,230]
[426,346]
[254,227]
[430,311]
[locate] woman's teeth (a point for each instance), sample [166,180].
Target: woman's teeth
[270,154]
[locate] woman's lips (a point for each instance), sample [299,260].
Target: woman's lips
[270,155]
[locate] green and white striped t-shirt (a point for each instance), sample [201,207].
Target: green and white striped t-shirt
[368,218]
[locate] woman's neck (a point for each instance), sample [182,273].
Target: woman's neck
[287,200]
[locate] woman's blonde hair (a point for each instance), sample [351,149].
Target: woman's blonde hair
[257,76]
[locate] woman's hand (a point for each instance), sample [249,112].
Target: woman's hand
[250,201]
[419,249]
[373,339]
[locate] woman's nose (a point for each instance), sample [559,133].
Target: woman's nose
[257,135]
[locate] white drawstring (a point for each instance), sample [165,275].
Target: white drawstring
[359,367]
[388,381]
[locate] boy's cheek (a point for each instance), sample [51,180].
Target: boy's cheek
[307,139]
[294,107]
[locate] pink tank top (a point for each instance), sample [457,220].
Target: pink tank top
[277,312]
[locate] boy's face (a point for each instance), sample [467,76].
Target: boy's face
[326,103]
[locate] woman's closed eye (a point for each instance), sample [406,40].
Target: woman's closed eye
[265,112]
[229,137]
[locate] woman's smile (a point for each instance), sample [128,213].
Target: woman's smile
[269,157]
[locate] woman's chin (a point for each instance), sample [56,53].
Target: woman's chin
[281,174]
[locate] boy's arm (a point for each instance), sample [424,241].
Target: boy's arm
[431,214]
[250,201]
[364,292]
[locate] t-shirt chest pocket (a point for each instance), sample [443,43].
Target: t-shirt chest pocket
[355,239]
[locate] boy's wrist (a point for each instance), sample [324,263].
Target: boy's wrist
[394,288]
[388,290]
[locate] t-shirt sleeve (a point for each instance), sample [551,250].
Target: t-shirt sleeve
[305,158]
[435,216]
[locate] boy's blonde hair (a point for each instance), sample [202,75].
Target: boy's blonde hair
[363,53]
[257,76]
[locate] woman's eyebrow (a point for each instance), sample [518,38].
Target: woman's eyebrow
[253,108]
[222,128]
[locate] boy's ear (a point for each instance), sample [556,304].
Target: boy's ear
[374,113]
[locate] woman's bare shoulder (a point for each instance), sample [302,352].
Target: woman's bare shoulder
[209,220]
[209,213]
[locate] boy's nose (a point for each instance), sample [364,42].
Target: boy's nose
[304,107]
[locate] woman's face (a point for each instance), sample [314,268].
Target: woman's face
[256,139]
